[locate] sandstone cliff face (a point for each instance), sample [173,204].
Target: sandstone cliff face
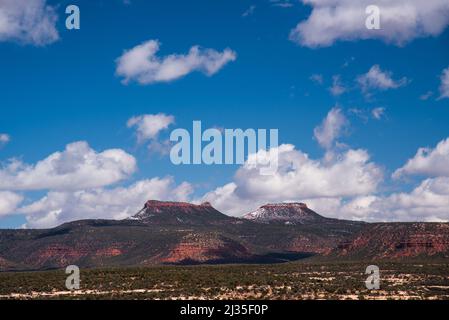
[62,255]
[201,248]
[398,241]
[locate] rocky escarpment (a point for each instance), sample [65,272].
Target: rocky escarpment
[61,255]
[397,241]
[203,248]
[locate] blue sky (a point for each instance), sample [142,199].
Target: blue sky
[66,89]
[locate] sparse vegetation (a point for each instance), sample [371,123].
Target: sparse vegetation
[280,281]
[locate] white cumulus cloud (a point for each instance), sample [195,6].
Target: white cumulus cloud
[77,167]
[427,161]
[298,177]
[142,65]
[148,126]
[401,21]
[28,21]
[9,202]
[428,202]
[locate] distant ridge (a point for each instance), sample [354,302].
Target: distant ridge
[166,232]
